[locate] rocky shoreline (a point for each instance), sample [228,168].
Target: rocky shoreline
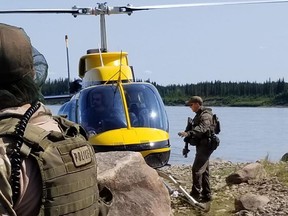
[224,196]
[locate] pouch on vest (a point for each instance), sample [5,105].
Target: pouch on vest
[216,124]
[214,141]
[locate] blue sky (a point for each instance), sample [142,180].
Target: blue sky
[169,46]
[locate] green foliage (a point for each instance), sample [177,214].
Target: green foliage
[281,99]
[55,87]
[219,93]
[215,93]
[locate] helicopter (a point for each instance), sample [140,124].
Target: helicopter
[118,112]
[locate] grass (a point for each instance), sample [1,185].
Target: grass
[278,170]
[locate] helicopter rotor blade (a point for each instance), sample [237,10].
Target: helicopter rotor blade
[130,9]
[23,11]
[103,9]
[74,11]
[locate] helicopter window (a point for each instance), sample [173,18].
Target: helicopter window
[102,109]
[146,105]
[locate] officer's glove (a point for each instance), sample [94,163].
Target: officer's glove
[183,134]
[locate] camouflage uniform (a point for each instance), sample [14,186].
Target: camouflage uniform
[201,127]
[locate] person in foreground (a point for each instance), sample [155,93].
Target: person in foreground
[47,166]
[197,134]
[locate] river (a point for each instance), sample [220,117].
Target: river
[247,134]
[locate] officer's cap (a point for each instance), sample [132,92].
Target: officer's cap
[194,99]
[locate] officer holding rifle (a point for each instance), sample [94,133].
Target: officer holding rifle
[197,133]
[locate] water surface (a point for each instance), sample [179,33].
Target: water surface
[247,134]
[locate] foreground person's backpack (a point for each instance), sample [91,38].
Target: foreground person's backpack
[213,138]
[66,161]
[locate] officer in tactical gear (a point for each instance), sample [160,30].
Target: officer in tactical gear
[45,178]
[197,134]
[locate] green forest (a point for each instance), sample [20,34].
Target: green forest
[214,93]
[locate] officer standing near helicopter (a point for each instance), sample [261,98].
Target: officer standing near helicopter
[27,185]
[197,134]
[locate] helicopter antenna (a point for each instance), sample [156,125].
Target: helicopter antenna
[68,68]
[120,68]
[101,58]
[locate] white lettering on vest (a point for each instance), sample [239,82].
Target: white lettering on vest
[81,156]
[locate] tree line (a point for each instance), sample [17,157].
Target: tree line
[214,92]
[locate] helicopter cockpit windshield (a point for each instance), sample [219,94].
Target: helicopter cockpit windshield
[145,107]
[102,108]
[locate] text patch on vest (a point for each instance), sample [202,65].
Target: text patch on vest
[81,156]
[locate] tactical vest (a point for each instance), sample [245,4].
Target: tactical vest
[210,134]
[214,129]
[212,126]
[67,165]
[196,120]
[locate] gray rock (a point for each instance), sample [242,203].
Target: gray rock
[137,188]
[284,157]
[253,171]
[250,202]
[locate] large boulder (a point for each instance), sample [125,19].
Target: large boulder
[136,188]
[251,172]
[250,202]
[284,158]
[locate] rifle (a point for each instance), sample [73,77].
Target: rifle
[189,127]
[185,150]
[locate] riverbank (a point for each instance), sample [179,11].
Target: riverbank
[274,187]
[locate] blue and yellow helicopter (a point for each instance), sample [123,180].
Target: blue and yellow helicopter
[118,113]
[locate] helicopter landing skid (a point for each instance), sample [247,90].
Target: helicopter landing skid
[186,196]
